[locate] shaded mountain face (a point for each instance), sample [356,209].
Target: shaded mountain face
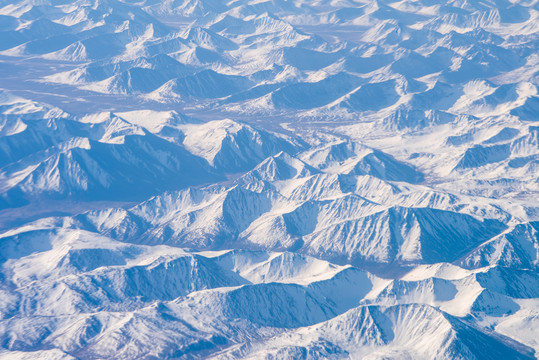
[269,179]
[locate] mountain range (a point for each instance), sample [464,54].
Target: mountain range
[269,179]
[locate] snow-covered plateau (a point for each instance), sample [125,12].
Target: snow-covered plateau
[269,179]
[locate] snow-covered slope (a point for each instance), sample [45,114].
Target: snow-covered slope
[269,179]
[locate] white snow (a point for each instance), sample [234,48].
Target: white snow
[269,179]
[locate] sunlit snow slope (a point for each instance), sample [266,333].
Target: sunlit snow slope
[280,179]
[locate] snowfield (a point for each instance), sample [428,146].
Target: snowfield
[269,179]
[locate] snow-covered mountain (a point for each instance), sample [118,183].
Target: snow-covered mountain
[269,179]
